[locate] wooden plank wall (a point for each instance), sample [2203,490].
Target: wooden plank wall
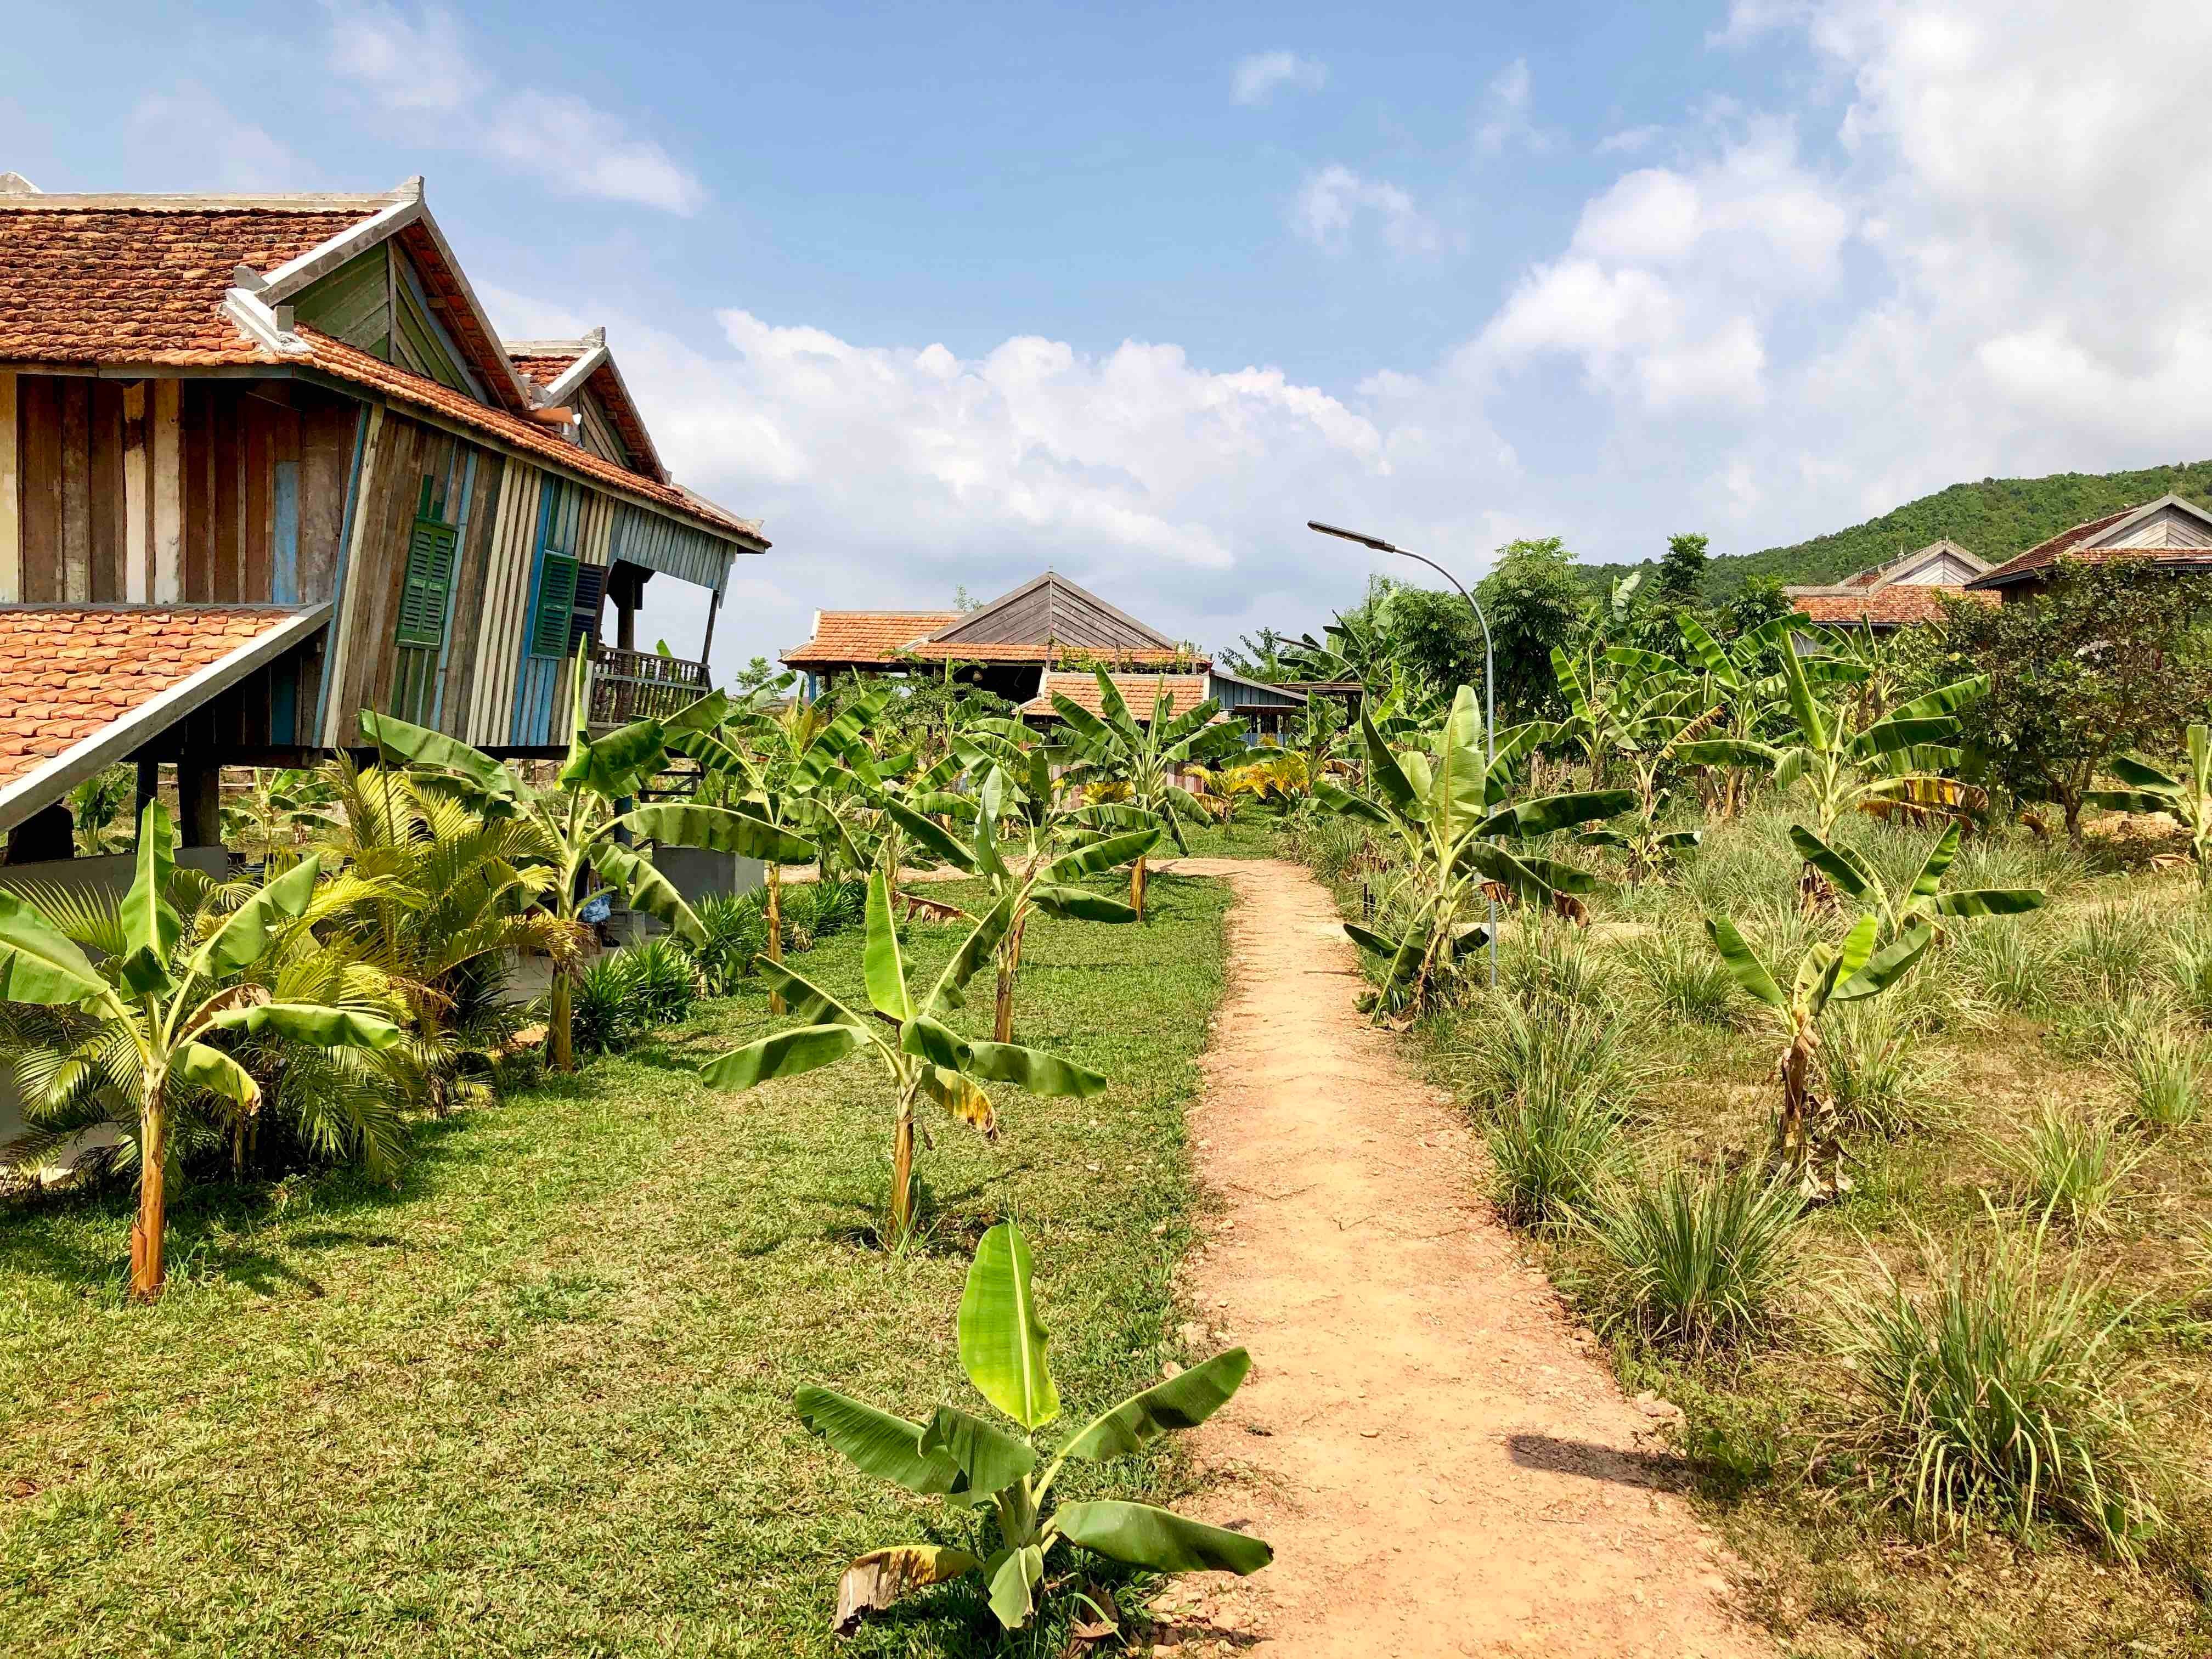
[494,608]
[165,490]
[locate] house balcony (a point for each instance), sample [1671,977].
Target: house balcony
[634,686]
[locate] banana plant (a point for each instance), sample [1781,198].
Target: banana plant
[577,829]
[1141,760]
[1054,848]
[903,1029]
[1807,1135]
[994,1474]
[2187,800]
[1923,902]
[1888,764]
[1653,716]
[1451,810]
[1733,678]
[154,1007]
[790,766]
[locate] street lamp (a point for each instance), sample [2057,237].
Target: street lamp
[1489,680]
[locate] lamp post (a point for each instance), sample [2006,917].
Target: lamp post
[1489,680]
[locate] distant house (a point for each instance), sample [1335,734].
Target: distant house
[2171,533]
[265,462]
[1047,635]
[1910,588]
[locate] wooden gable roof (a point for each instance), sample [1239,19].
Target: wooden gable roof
[1051,610]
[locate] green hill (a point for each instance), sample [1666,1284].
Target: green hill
[1994,519]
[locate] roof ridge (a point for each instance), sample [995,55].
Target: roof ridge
[198,201]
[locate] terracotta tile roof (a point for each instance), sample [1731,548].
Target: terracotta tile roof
[2048,552]
[119,285]
[545,369]
[351,363]
[66,672]
[866,637]
[1884,607]
[128,284]
[1139,691]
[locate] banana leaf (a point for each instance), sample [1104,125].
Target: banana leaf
[786,1054]
[1002,1345]
[1166,1542]
[1183,1402]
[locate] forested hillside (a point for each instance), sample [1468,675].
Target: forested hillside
[1994,519]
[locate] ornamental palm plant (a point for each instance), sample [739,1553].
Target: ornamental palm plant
[1450,812]
[577,829]
[903,1029]
[1141,761]
[151,1018]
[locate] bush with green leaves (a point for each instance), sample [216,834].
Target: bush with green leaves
[1696,1259]
[733,931]
[1005,1480]
[1999,1394]
[606,1018]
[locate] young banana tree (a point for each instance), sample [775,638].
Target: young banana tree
[1141,759]
[789,767]
[1890,764]
[1807,1137]
[153,1010]
[1052,848]
[1451,810]
[577,828]
[903,1029]
[2187,800]
[1735,676]
[1654,715]
[978,1466]
[1922,904]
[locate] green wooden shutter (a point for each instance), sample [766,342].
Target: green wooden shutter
[557,600]
[428,584]
[591,591]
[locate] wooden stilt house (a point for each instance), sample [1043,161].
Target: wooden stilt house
[265,463]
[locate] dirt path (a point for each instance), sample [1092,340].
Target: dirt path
[1441,1463]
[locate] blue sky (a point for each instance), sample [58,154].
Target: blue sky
[947,294]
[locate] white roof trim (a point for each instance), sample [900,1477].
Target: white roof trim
[320,260]
[574,375]
[2107,537]
[261,324]
[48,782]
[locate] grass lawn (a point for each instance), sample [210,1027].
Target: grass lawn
[536,1400]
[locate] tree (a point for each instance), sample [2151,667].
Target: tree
[1434,636]
[1536,603]
[154,1012]
[1682,572]
[2109,657]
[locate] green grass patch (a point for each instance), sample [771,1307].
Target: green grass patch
[536,1398]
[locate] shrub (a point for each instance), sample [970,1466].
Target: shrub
[663,982]
[1696,1260]
[1992,1396]
[1686,980]
[839,906]
[2164,1073]
[736,931]
[605,1011]
[1552,1149]
[2068,1167]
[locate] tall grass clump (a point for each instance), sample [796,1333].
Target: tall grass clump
[1508,1050]
[1330,846]
[1996,1395]
[1696,1260]
[1685,980]
[1541,961]
[2164,1073]
[2006,961]
[1871,1065]
[2108,952]
[1551,1150]
[2069,1168]
[2191,969]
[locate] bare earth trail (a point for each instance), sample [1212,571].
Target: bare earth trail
[1442,1464]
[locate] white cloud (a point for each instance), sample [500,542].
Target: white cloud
[419,67]
[888,475]
[1505,118]
[1258,78]
[1332,201]
[1629,140]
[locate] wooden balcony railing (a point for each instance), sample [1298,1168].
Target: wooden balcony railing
[634,686]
